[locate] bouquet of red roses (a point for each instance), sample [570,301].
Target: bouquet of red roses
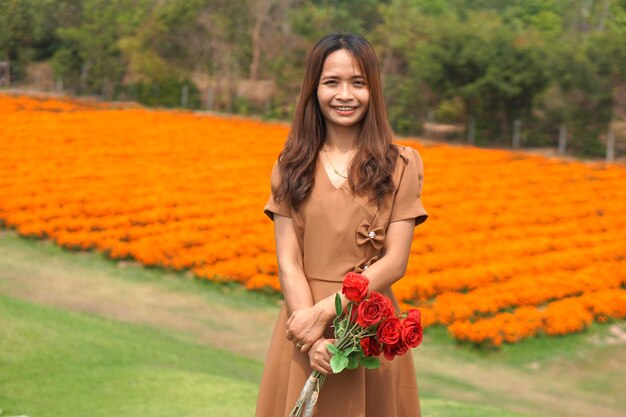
[367,327]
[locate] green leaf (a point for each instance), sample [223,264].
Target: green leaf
[338,363]
[336,322]
[338,307]
[353,361]
[353,349]
[340,329]
[333,349]
[369,362]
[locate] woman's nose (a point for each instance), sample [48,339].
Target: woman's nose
[345,92]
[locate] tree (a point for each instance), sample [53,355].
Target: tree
[16,32]
[94,40]
[495,71]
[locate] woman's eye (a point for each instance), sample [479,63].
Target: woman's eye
[330,82]
[359,83]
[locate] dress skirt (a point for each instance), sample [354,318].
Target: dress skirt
[389,391]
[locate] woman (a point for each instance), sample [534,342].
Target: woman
[344,198]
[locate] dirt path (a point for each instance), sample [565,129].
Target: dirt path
[54,281]
[42,273]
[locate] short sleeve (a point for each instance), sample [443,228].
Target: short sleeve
[407,202]
[272,206]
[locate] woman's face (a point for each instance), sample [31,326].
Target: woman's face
[342,93]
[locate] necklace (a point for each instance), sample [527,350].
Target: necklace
[331,164]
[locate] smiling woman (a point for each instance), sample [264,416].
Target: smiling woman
[344,199]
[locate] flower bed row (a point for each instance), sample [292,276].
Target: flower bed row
[514,240]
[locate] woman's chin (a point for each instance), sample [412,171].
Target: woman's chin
[346,122]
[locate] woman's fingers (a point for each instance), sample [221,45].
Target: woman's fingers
[321,367]
[306,325]
[326,366]
[308,341]
[325,352]
[306,337]
[319,357]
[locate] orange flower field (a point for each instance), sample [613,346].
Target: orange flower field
[516,244]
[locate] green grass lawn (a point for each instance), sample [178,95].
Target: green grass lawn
[60,363]
[82,335]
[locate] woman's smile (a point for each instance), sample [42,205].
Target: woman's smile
[345,110]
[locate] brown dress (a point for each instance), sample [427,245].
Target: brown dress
[339,232]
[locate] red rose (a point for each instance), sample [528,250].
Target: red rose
[411,333]
[389,331]
[373,310]
[415,315]
[391,311]
[370,346]
[397,349]
[355,286]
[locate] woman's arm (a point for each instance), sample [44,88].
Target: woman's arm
[290,266]
[307,322]
[396,250]
[388,269]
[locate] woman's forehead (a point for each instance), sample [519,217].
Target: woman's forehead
[341,63]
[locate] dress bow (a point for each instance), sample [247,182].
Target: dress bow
[368,234]
[363,265]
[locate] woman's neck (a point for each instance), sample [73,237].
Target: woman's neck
[342,139]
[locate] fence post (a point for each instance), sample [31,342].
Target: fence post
[4,74]
[610,145]
[471,130]
[59,85]
[209,98]
[517,124]
[105,88]
[562,139]
[184,96]
[430,119]
[38,79]
[84,70]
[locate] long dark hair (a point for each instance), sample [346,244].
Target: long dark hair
[370,172]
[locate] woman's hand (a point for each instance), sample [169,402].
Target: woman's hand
[319,356]
[306,326]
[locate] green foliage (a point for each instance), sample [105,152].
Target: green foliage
[495,72]
[451,110]
[166,93]
[314,19]
[584,77]
[338,363]
[369,362]
[18,22]
[353,361]
[94,38]
[544,62]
